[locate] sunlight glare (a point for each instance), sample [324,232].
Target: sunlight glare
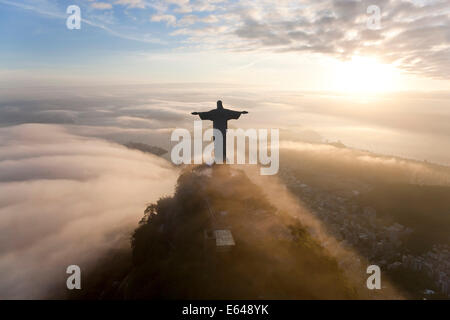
[365,75]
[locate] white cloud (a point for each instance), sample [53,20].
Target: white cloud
[192,19]
[183,6]
[414,36]
[131,3]
[67,200]
[101,5]
[169,19]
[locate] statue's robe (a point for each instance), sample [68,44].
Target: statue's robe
[220,118]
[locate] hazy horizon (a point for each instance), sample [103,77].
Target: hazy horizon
[409,125]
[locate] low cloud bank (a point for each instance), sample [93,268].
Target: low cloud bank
[65,200]
[349,163]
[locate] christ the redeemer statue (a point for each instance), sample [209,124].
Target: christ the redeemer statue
[220,117]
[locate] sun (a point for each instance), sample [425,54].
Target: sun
[364,75]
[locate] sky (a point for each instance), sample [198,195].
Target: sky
[291,45]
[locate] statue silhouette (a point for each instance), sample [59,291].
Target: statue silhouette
[220,117]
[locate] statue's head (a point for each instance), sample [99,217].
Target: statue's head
[219,105]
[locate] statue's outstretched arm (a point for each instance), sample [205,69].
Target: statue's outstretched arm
[204,115]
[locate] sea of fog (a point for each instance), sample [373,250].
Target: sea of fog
[410,125]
